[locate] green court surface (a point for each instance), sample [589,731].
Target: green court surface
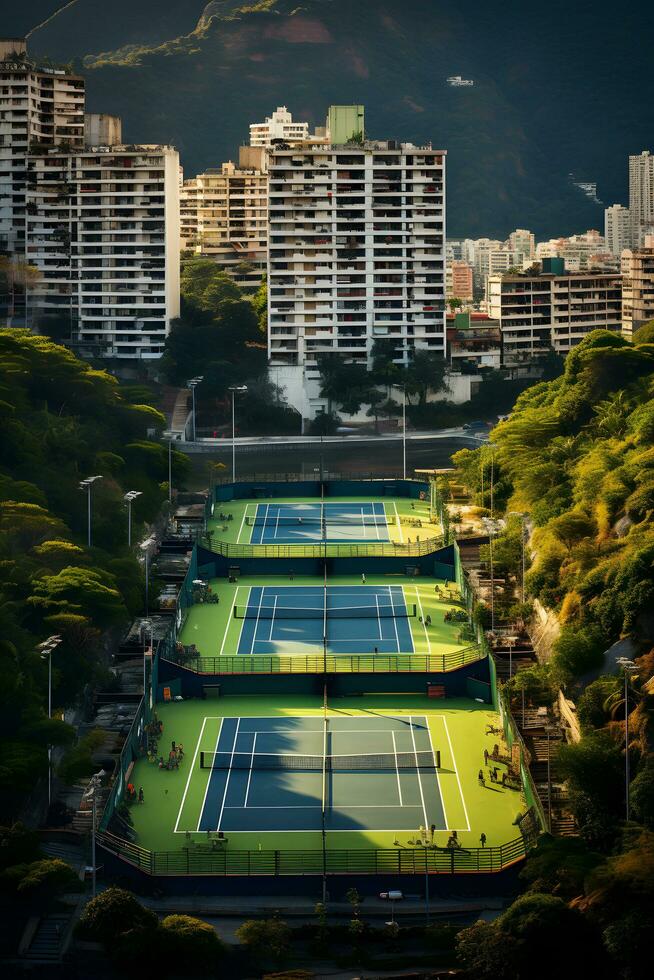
[179,801]
[409,520]
[213,630]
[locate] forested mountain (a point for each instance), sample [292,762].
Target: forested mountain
[559,88]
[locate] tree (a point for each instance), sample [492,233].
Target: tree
[425,374]
[266,938]
[594,770]
[189,944]
[642,794]
[572,527]
[113,912]
[579,650]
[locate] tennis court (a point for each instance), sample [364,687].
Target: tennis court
[303,773]
[347,619]
[304,523]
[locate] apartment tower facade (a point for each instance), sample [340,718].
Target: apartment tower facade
[356,254]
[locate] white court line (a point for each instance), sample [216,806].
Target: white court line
[191,771]
[229,773]
[277,524]
[206,788]
[379,622]
[317,806]
[272,620]
[247,788]
[397,636]
[256,625]
[231,614]
[456,769]
[240,530]
[399,523]
[422,616]
[397,769]
[438,778]
[422,795]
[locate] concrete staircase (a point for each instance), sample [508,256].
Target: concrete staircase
[48,940]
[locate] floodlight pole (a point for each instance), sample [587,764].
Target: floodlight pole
[47,648]
[234,389]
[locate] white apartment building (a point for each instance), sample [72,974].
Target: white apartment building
[544,311]
[39,108]
[102,227]
[637,287]
[617,229]
[580,252]
[356,254]
[522,243]
[279,127]
[99,223]
[224,217]
[641,196]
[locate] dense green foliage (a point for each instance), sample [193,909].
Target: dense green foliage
[221,337]
[577,455]
[140,945]
[62,421]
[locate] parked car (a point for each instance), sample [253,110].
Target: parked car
[475,425]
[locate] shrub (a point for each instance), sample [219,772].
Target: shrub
[265,937]
[190,944]
[113,912]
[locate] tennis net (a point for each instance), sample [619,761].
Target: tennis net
[347,520]
[403,611]
[427,759]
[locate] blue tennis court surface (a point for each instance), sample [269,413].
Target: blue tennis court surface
[360,619]
[396,798]
[306,523]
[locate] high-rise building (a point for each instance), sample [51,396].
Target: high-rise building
[96,224]
[552,310]
[459,281]
[356,254]
[523,245]
[641,195]
[40,108]
[637,287]
[617,229]
[102,228]
[278,127]
[224,216]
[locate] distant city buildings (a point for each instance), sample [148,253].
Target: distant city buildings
[280,127]
[459,281]
[224,216]
[638,286]
[552,309]
[617,229]
[90,225]
[581,252]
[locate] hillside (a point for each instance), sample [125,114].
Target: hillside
[543,105]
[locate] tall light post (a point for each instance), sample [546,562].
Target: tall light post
[170,435]
[517,513]
[192,384]
[146,625]
[86,486]
[234,390]
[145,548]
[129,499]
[628,666]
[46,649]
[402,388]
[94,786]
